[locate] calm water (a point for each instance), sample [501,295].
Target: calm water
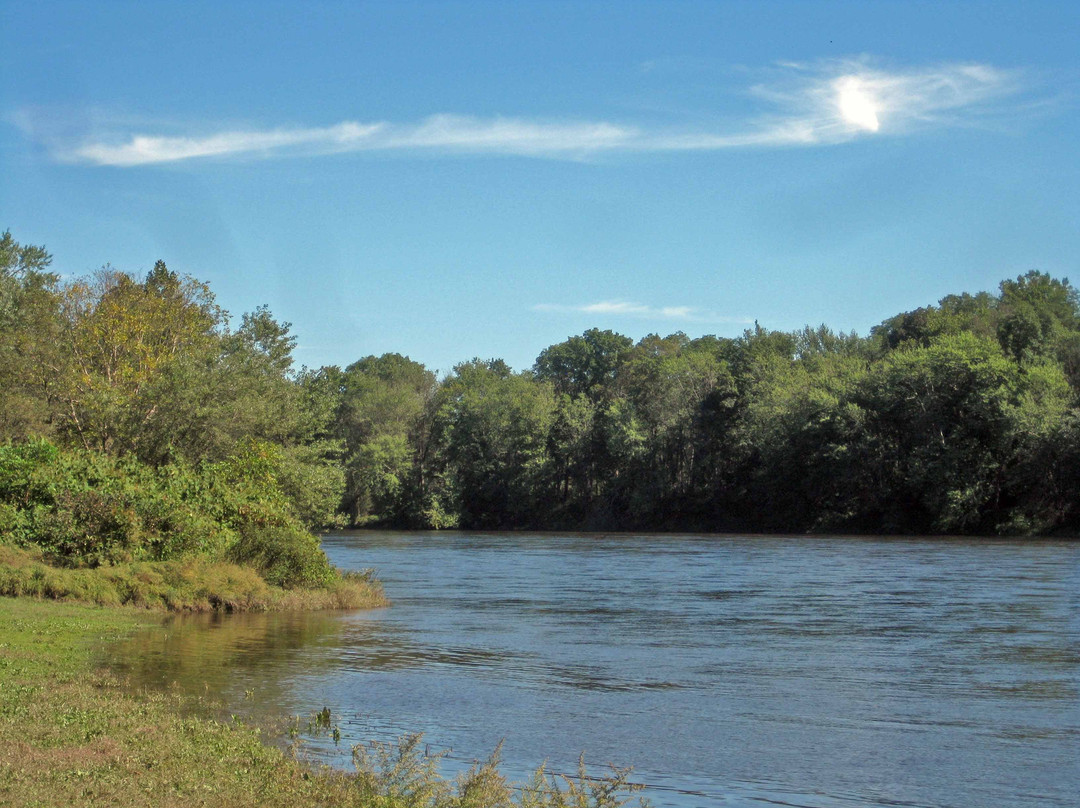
[730,671]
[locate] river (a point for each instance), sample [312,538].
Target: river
[728,670]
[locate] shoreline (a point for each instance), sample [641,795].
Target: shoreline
[193,585]
[75,734]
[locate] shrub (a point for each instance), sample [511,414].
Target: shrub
[284,556]
[20,480]
[85,509]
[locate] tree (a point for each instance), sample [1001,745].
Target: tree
[569,444]
[122,337]
[1039,313]
[381,418]
[667,383]
[585,365]
[30,355]
[938,435]
[494,426]
[22,261]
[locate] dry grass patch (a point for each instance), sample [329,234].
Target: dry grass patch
[193,585]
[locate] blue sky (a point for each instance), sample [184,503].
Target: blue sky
[450,180]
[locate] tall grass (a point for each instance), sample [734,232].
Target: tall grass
[194,585]
[403,775]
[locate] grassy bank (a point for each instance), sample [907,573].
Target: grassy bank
[73,734]
[195,585]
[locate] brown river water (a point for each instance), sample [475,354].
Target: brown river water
[728,670]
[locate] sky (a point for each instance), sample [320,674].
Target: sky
[477,179]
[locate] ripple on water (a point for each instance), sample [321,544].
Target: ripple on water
[733,671]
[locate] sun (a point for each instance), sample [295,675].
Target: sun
[857,105]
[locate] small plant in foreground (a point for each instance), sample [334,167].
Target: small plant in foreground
[404,774]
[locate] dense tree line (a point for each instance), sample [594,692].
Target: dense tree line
[956,418]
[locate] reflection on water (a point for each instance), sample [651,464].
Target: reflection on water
[730,671]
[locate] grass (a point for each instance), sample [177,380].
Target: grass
[191,585]
[74,735]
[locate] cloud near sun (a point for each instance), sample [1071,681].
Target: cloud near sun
[812,104]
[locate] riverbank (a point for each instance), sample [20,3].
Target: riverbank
[193,585]
[74,734]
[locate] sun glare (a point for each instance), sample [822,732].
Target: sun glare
[857,106]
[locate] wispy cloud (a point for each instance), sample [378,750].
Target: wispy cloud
[142,149]
[626,308]
[822,103]
[445,132]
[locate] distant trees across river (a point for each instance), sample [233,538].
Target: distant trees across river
[961,417]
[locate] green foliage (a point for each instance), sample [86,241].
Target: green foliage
[938,427]
[571,467]
[262,340]
[174,434]
[379,469]
[21,260]
[273,485]
[585,365]
[121,337]
[1038,313]
[30,358]
[19,484]
[383,417]
[312,482]
[284,556]
[494,425]
[85,509]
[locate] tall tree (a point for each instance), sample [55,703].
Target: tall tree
[495,425]
[585,365]
[381,417]
[31,359]
[122,337]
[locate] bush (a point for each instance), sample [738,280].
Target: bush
[20,481]
[285,557]
[85,509]
[90,527]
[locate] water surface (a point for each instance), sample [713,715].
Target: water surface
[730,671]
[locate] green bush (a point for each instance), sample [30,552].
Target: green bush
[90,527]
[20,464]
[285,557]
[85,509]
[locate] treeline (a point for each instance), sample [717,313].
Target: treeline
[956,418]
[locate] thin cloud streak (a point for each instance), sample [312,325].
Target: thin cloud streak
[626,308]
[820,104]
[447,132]
[144,149]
